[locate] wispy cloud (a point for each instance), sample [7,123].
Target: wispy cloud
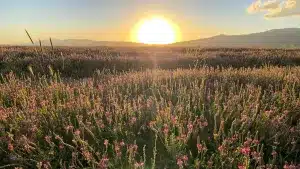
[275,8]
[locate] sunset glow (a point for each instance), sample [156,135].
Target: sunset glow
[156,31]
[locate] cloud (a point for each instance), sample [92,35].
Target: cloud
[275,8]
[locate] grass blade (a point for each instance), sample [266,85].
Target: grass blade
[29,36]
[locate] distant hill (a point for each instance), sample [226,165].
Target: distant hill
[276,38]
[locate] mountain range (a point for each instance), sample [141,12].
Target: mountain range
[275,38]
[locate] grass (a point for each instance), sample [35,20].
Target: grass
[84,62]
[222,108]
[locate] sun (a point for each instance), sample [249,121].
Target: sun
[156,30]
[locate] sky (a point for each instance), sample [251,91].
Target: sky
[113,20]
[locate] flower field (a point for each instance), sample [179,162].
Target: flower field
[200,108]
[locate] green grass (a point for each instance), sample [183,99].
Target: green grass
[200,117]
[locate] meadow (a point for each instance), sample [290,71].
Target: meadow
[149,107]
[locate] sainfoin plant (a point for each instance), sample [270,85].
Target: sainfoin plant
[207,117]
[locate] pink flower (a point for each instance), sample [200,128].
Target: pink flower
[137,165]
[165,129]
[106,142]
[117,148]
[77,132]
[180,163]
[87,155]
[122,143]
[174,120]
[10,147]
[241,166]
[107,113]
[292,129]
[246,151]
[199,147]
[48,139]
[133,120]
[221,148]
[102,126]
[61,146]
[103,164]
[204,124]
[287,166]
[190,127]
[255,141]
[135,147]
[185,158]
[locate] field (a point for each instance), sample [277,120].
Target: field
[149,107]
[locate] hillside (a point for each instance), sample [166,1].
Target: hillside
[276,38]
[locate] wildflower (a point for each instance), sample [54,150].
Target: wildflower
[87,155]
[69,128]
[180,163]
[61,146]
[246,151]
[122,143]
[135,147]
[241,166]
[199,147]
[185,158]
[10,147]
[247,142]
[255,141]
[165,129]
[190,127]
[256,156]
[174,120]
[77,132]
[103,164]
[117,148]
[287,166]
[3,115]
[149,103]
[48,139]
[133,120]
[209,164]
[43,165]
[102,126]
[221,148]
[106,142]
[204,124]
[33,129]
[268,112]
[274,153]
[137,165]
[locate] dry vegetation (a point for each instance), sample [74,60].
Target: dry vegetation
[154,107]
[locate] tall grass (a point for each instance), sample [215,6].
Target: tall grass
[184,118]
[83,62]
